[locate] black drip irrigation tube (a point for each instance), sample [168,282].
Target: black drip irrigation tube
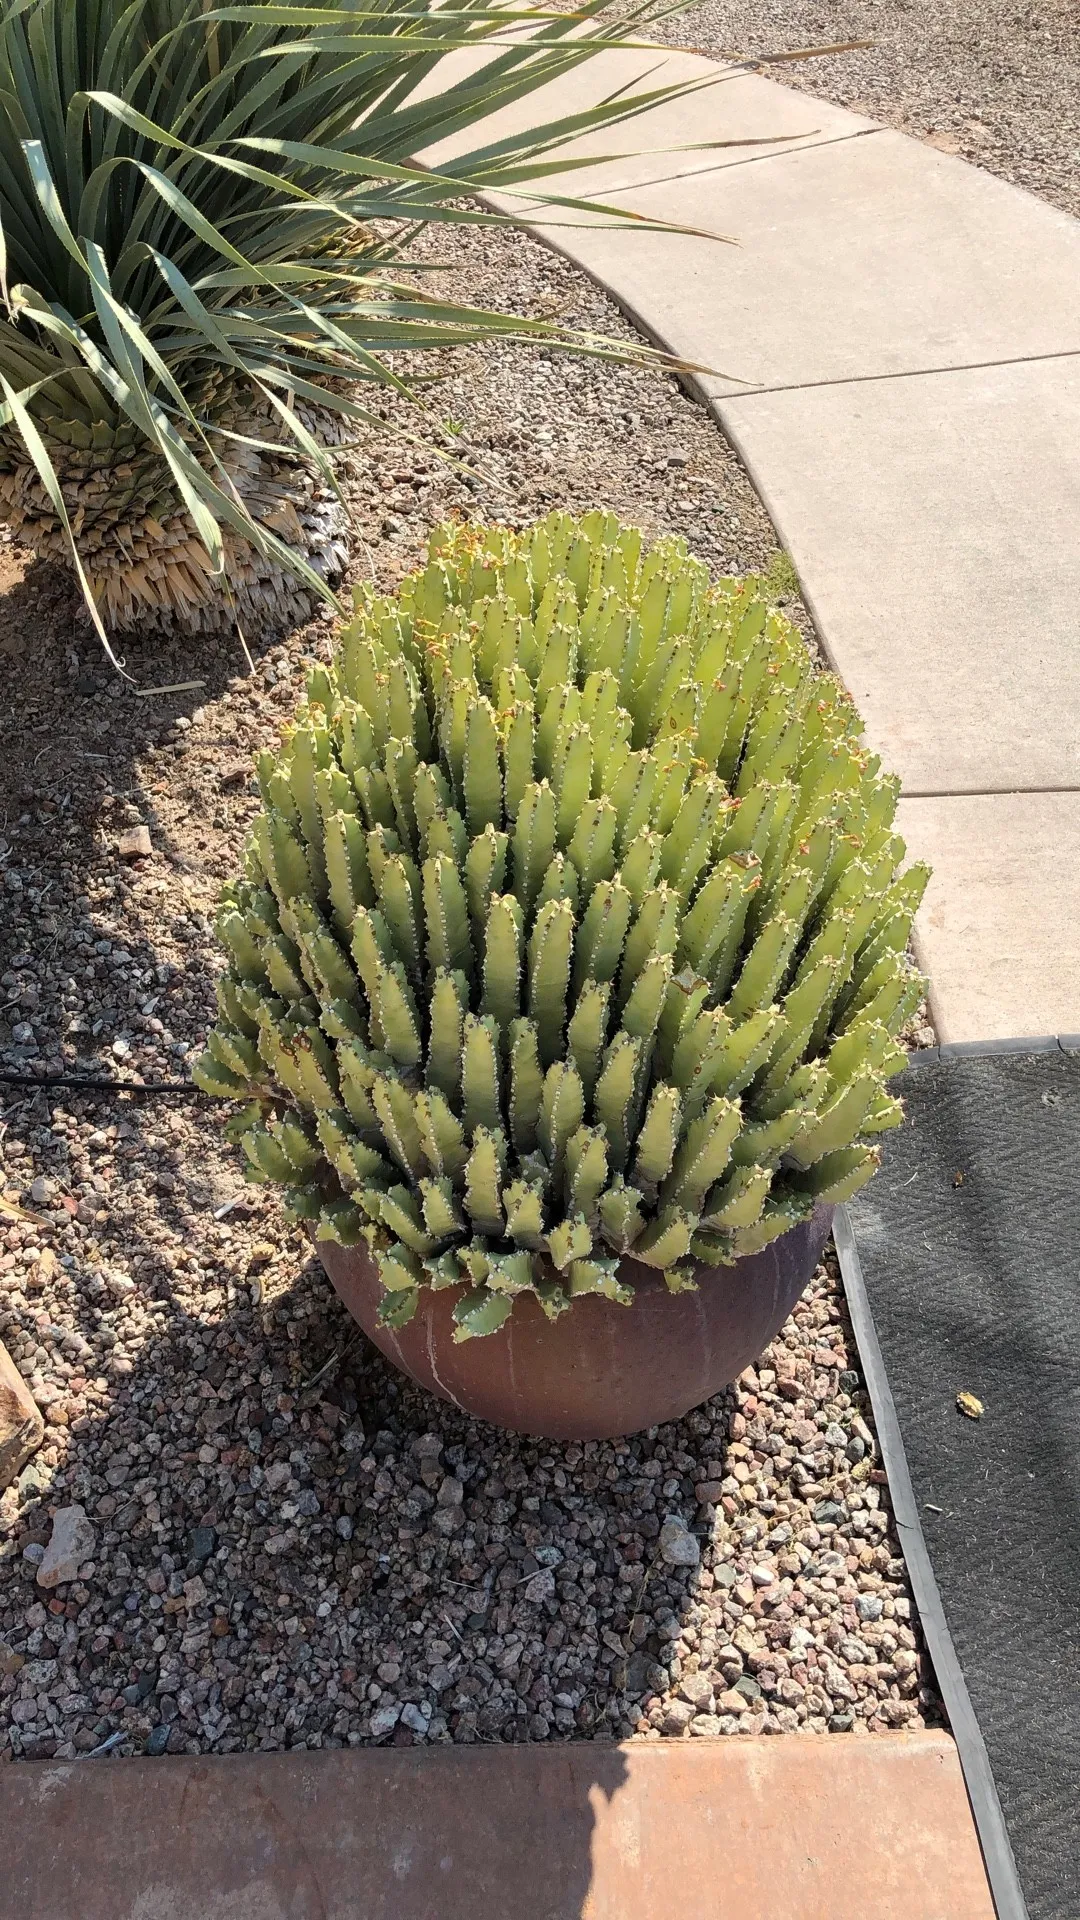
[82,1083]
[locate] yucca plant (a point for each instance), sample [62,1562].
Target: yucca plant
[573,928]
[205,221]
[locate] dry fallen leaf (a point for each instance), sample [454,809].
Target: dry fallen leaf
[967,1404]
[958,1179]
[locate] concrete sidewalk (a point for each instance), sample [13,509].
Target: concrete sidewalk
[796,1828]
[898,336]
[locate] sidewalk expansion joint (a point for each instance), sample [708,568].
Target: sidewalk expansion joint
[982,793]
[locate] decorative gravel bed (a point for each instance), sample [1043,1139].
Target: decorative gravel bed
[284,1544]
[992,81]
[278,1564]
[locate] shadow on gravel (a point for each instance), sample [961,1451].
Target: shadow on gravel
[88,753]
[295,1546]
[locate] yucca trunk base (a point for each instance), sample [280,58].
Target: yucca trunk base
[147,568]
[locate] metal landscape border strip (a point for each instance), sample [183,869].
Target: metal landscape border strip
[993,1049]
[978,1776]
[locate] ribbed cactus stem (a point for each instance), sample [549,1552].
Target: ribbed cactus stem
[572,928]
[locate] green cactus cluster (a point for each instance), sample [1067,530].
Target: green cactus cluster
[573,928]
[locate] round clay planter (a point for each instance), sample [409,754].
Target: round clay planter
[599,1370]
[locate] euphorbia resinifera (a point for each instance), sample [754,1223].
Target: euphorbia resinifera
[573,928]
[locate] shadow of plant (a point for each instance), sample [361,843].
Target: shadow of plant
[176,1402]
[295,1545]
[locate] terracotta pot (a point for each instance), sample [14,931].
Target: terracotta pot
[600,1370]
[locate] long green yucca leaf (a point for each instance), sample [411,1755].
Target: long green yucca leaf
[207,214]
[430,184]
[39,455]
[207,324]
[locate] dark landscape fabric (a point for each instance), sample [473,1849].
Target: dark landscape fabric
[968,1243]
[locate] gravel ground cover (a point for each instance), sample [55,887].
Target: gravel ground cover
[993,80]
[243,1530]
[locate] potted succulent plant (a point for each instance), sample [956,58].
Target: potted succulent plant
[563,978]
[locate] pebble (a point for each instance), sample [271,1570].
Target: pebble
[384,1720]
[678,1547]
[134,843]
[829,1513]
[157,1740]
[697,1688]
[733,1701]
[202,1544]
[71,1543]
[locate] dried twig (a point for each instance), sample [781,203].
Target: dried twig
[178,686]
